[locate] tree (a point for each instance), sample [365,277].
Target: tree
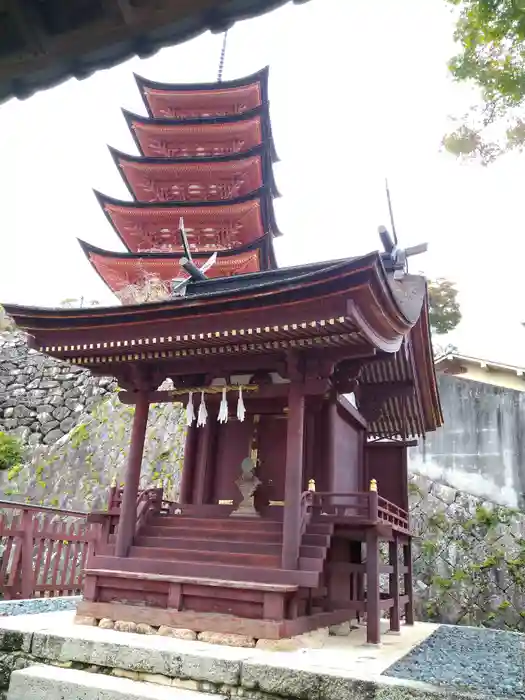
[444,313]
[491,35]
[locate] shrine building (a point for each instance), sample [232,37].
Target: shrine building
[302,388]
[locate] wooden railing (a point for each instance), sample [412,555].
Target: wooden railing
[358,507]
[43,551]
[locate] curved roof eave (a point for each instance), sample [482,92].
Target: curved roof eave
[40,60]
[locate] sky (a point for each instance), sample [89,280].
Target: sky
[359,91]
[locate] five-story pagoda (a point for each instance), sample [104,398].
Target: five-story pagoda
[206,162]
[288,489]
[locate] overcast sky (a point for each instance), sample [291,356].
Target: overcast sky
[359,90]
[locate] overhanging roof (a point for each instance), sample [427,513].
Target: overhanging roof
[44,42]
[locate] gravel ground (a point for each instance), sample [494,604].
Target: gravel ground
[37,605]
[469,659]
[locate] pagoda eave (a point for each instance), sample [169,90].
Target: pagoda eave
[179,170]
[127,273]
[256,81]
[254,124]
[143,226]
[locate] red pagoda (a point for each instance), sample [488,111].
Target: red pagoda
[302,389]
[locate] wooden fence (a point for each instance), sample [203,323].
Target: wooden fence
[43,551]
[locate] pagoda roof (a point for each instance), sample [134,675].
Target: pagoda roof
[183,100]
[122,271]
[196,178]
[210,226]
[351,307]
[203,137]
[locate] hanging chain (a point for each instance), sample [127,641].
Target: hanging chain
[223,56]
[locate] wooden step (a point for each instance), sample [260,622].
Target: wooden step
[317,540]
[192,555]
[182,543]
[245,524]
[206,533]
[306,579]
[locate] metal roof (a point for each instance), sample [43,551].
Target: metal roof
[44,42]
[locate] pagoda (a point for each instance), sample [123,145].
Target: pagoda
[206,155]
[302,388]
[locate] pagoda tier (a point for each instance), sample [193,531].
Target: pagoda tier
[188,100]
[210,226]
[123,272]
[206,137]
[196,179]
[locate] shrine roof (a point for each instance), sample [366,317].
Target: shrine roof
[234,96]
[196,178]
[122,270]
[202,137]
[211,225]
[358,288]
[352,307]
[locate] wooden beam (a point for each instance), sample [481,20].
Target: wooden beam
[264,391]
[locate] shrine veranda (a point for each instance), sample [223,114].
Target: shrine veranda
[303,387]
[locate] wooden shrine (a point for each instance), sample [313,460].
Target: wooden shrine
[302,388]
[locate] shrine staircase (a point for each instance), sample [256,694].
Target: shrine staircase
[235,549]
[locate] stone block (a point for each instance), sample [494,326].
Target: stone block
[139,654]
[229,640]
[47,683]
[165,631]
[281,680]
[106,624]
[85,620]
[143,628]
[123,626]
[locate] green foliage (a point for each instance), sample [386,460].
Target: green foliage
[11,451]
[444,310]
[491,36]
[79,434]
[469,562]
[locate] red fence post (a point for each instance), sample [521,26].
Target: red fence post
[27,545]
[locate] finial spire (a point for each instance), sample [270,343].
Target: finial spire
[222,57]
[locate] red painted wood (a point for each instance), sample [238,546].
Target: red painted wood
[207,570]
[294,477]
[190,556]
[128,514]
[204,532]
[373,631]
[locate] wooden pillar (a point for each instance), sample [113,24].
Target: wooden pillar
[128,508]
[408,582]
[373,629]
[293,478]
[393,584]
[205,441]
[188,469]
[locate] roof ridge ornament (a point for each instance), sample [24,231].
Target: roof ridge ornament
[196,274]
[397,256]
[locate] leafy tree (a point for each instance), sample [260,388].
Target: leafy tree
[445,313]
[491,35]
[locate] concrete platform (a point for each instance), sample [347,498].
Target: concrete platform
[51,683]
[320,668]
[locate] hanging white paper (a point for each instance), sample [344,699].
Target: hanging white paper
[241,409]
[223,408]
[190,411]
[202,416]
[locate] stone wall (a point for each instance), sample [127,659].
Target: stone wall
[481,447]
[77,432]
[469,558]
[42,399]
